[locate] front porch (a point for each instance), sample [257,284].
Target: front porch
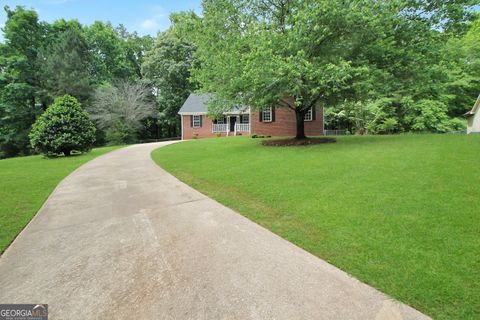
[232,124]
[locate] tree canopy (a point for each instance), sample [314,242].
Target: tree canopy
[375,66]
[40,61]
[19,79]
[167,68]
[332,53]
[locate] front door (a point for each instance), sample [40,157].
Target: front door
[232,123]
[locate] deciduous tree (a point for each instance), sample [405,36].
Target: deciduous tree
[258,53]
[120,109]
[334,53]
[167,69]
[19,79]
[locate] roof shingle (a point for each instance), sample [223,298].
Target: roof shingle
[195,103]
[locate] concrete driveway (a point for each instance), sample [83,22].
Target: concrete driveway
[122,239]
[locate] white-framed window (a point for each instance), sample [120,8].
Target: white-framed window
[245,118]
[221,120]
[197,121]
[267,115]
[308,115]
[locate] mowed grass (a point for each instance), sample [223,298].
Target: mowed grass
[25,184]
[401,213]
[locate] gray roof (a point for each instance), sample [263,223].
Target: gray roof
[475,108]
[195,103]
[199,104]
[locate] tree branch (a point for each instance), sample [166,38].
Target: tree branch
[286,104]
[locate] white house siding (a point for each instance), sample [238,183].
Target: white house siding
[473,125]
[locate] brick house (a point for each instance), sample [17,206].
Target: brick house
[274,121]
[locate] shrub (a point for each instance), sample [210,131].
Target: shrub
[389,125]
[427,115]
[120,133]
[63,127]
[457,124]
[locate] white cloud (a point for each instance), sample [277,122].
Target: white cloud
[158,11]
[149,24]
[158,19]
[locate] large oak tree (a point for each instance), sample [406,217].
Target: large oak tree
[262,52]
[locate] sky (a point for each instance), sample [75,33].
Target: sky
[143,16]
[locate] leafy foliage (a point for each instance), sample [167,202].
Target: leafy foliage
[116,53]
[258,53]
[64,66]
[377,66]
[40,61]
[19,80]
[338,54]
[387,115]
[62,128]
[167,69]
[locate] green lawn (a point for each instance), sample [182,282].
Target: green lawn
[401,213]
[25,184]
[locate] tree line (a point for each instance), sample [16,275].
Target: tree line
[130,85]
[377,67]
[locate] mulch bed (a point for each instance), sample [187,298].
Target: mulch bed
[294,142]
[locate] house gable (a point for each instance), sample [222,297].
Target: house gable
[473,118]
[475,108]
[195,104]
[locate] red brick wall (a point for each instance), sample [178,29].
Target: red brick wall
[285,124]
[205,131]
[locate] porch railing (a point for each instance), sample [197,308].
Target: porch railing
[242,127]
[219,127]
[223,127]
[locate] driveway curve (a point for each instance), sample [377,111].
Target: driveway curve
[120,238]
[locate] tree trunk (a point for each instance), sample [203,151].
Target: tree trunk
[300,116]
[33,102]
[67,152]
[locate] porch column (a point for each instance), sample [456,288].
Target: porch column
[237,117]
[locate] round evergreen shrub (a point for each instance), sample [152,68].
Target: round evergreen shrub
[62,128]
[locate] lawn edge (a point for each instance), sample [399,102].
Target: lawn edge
[4,252]
[387,296]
